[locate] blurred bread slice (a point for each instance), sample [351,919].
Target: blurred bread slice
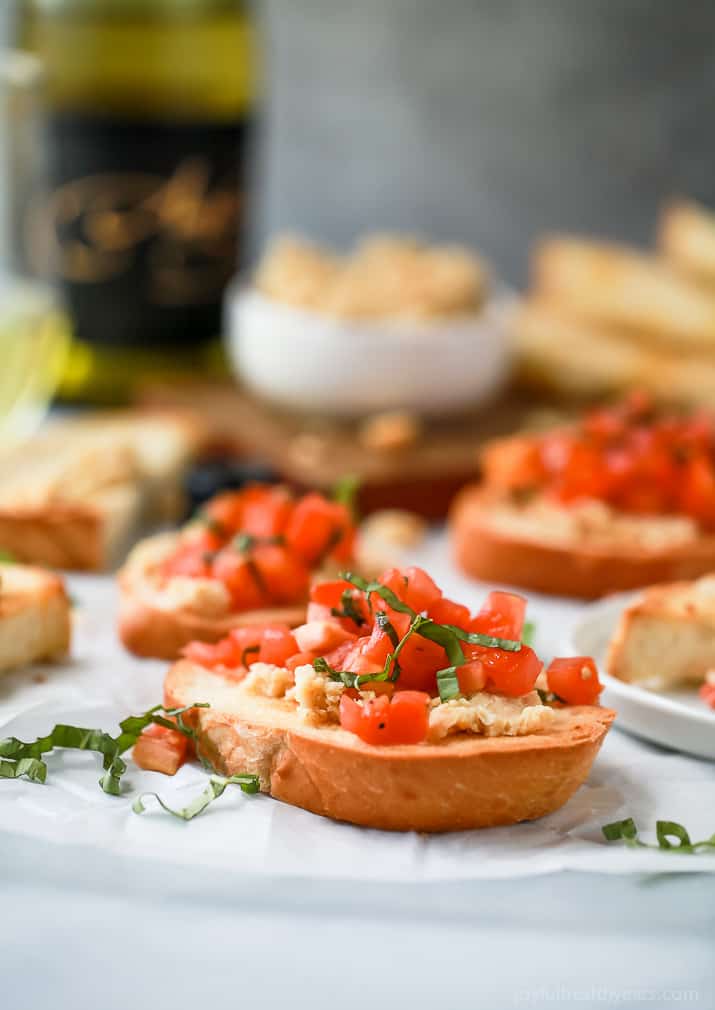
[667,637]
[686,237]
[615,285]
[567,355]
[34,616]
[74,495]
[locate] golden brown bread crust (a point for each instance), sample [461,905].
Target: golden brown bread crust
[35,621]
[686,237]
[62,535]
[464,782]
[666,637]
[582,570]
[147,629]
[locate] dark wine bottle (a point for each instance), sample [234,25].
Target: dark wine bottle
[150,108]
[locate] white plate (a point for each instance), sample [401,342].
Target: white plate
[675,718]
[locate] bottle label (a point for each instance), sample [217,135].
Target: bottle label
[144,224]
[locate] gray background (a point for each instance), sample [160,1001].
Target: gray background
[486,121]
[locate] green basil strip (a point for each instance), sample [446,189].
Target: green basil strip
[345,493]
[215,788]
[31,768]
[528,632]
[79,738]
[475,638]
[665,830]
[321,665]
[447,683]
[376,587]
[627,831]
[386,625]
[444,635]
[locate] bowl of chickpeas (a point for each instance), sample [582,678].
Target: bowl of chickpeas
[394,324]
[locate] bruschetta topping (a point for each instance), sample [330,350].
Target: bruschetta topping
[260,545]
[630,457]
[394,661]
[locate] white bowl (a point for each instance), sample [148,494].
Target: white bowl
[306,361]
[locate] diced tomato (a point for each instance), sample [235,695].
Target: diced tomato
[445,611]
[266,510]
[226,510]
[224,653]
[575,680]
[159,749]
[419,661]
[501,616]
[472,677]
[278,644]
[284,576]
[370,653]
[190,560]
[697,492]
[707,694]
[242,579]
[316,527]
[412,586]
[300,659]
[513,463]
[510,673]
[329,594]
[322,636]
[384,721]
[338,657]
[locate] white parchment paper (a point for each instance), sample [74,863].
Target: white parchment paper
[256,835]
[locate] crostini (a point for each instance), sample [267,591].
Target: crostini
[393,707]
[623,499]
[34,616]
[247,557]
[666,638]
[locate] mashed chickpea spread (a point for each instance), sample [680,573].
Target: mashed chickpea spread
[317,700]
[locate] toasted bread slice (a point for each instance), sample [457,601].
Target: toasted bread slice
[158,620]
[75,494]
[583,552]
[619,286]
[34,616]
[562,353]
[667,637]
[464,781]
[686,237]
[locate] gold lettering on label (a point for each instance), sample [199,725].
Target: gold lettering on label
[185,229]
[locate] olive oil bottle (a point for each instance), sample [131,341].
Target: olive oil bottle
[149,113]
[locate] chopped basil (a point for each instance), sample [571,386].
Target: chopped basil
[476,638]
[444,635]
[376,587]
[215,788]
[25,759]
[249,650]
[447,683]
[345,492]
[383,622]
[528,633]
[627,831]
[243,542]
[349,608]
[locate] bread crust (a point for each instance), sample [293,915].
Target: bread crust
[585,571]
[35,619]
[149,630]
[666,637]
[463,782]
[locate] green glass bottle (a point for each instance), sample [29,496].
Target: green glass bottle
[150,109]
